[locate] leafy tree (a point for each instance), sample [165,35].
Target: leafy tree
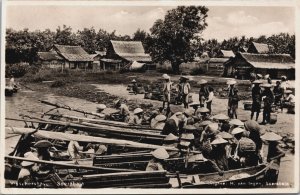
[65,36]
[87,39]
[175,36]
[139,35]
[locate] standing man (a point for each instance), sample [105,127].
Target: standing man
[167,90]
[268,98]
[186,88]
[210,99]
[231,90]
[203,92]
[256,99]
[278,94]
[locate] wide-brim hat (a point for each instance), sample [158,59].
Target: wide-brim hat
[133,81]
[189,111]
[212,128]
[43,144]
[190,128]
[257,82]
[171,137]
[117,101]
[137,111]
[271,136]
[220,117]
[236,122]
[283,76]
[185,77]
[205,123]
[259,75]
[225,135]
[202,81]
[219,140]
[101,106]
[185,143]
[231,82]
[160,118]
[203,110]
[29,156]
[267,76]
[237,131]
[102,149]
[165,76]
[288,91]
[252,125]
[160,153]
[267,85]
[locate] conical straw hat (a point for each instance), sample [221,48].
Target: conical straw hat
[171,137]
[271,136]
[237,131]
[160,153]
[219,140]
[236,122]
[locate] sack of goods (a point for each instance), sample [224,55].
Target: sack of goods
[247,145]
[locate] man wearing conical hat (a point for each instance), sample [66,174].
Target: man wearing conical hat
[256,99]
[172,141]
[158,122]
[268,99]
[156,164]
[174,124]
[167,90]
[203,92]
[137,117]
[275,153]
[218,155]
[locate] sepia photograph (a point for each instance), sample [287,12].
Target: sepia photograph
[172,96]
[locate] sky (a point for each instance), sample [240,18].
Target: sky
[223,21]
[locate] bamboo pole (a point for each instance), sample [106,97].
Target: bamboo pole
[69,165]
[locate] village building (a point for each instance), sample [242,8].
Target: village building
[122,54]
[97,60]
[75,57]
[51,60]
[259,48]
[226,54]
[276,65]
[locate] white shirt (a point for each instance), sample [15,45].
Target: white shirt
[210,96]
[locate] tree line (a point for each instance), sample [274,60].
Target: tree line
[176,38]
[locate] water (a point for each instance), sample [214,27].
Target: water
[27,102]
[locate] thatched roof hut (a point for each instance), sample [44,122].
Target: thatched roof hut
[48,56]
[259,48]
[273,64]
[226,53]
[73,53]
[128,51]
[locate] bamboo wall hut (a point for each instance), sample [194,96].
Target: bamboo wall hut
[122,53]
[75,57]
[51,60]
[275,65]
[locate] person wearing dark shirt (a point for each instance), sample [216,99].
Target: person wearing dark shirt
[231,90]
[256,99]
[268,98]
[278,93]
[203,92]
[234,104]
[275,153]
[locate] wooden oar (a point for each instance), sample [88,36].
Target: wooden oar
[70,165]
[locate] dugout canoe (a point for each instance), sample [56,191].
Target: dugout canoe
[250,177]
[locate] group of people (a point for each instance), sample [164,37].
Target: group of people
[262,93]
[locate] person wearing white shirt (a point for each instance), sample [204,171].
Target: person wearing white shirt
[209,99]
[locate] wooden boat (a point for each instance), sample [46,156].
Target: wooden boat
[250,177]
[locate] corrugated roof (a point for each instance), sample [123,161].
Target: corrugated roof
[131,50]
[227,53]
[48,56]
[261,47]
[73,53]
[270,61]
